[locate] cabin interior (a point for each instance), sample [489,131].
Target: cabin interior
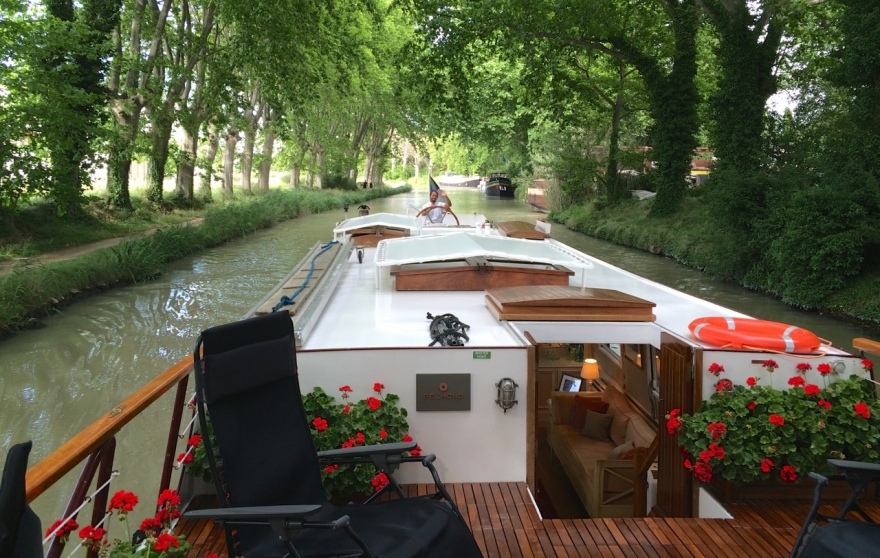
[630,368]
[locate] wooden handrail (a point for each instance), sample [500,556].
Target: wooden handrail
[54,466]
[868,345]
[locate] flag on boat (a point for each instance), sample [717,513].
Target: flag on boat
[432,186]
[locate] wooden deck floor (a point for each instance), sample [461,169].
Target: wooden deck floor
[505,523]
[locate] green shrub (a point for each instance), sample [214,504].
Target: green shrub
[338,182]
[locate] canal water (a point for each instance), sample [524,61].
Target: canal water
[57,380]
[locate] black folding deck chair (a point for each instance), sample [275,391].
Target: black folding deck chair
[840,537]
[20,532]
[266,469]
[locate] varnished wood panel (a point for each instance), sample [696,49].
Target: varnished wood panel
[505,523]
[520,229]
[479,278]
[674,482]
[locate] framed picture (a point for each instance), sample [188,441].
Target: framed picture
[570,383]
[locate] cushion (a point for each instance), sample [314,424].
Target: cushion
[596,426]
[618,428]
[581,406]
[620,450]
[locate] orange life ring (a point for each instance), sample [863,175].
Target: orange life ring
[746,333]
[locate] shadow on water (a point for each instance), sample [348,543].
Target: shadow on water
[57,380]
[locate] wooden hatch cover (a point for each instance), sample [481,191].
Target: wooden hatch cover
[565,303]
[371,236]
[520,229]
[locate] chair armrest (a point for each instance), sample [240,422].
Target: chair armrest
[855,466]
[254,512]
[366,451]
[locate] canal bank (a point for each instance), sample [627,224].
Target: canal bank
[31,292]
[691,238]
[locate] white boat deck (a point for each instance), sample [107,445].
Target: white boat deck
[360,316]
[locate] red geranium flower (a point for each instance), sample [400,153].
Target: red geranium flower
[703,472]
[124,501]
[63,529]
[330,468]
[93,537]
[766,465]
[373,403]
[185,458]
[770,365]
[417,451]
[751,406]
[345,391]
[717,429]
[862,410]
[802,367]
[788,473]
[377,387]
[152,525]
[166,541]
[777,420]
[687,464]
[345,410]
[168,498]
[824,369]
[867,365]
[194,440]
[811,389]
[320,424]
[724,385]
[824,404]
[382,434]
[796,381]
[380,481]
[360,438]
[716,368]
[751,381]
[407,438]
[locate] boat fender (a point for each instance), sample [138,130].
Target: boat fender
[447,330]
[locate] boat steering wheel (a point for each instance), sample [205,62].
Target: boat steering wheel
[445,211]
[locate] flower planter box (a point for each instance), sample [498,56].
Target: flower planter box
[775,489]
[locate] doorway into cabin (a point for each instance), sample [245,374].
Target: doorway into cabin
[627,376]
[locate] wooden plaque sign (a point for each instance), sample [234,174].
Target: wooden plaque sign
[443,392]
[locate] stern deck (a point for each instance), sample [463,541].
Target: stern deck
[505,522]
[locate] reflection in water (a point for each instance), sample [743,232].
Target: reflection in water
[56,381]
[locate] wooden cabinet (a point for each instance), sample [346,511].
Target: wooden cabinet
[549,374]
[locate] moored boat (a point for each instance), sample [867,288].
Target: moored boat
[498,185]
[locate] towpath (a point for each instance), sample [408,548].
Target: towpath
[76,251]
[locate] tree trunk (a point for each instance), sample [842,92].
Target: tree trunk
[118,169]
[294,175]
[746,82]
[369,158]
[208,168]
[126,127]
[266,162]
[229,160]
[160,136]
[673,105]
[247,160]
[321,162]
[186,166]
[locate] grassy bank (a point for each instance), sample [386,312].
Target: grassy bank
[692,239]
[28,293]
